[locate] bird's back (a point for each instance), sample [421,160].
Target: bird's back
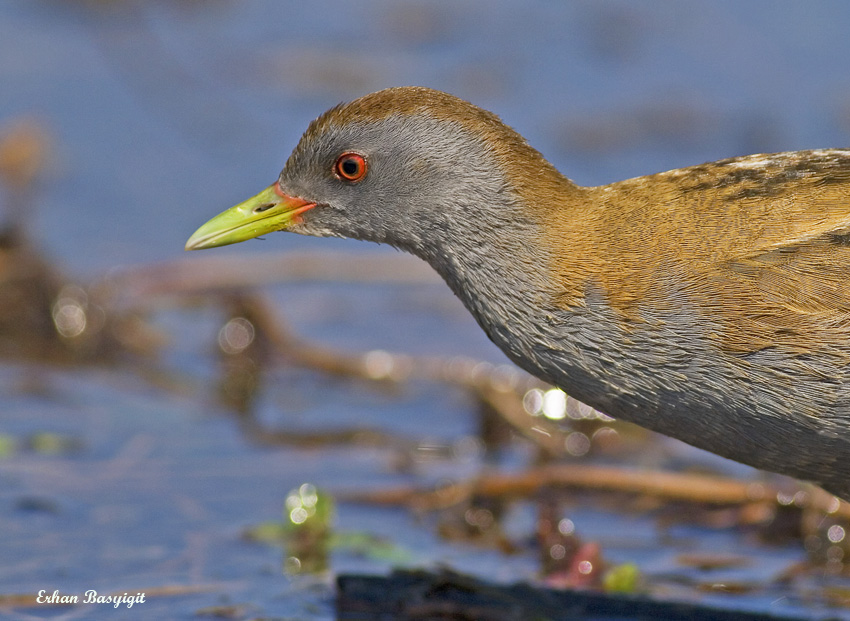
[760,244]
[721,293]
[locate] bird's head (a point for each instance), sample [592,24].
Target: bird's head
[408,166]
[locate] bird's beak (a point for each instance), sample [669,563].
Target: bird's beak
[270,210]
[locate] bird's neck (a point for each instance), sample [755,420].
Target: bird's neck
[495,258]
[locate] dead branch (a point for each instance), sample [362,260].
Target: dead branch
[214,274]
[669,486]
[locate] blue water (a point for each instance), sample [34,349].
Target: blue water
[161,114]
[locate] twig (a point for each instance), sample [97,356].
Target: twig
[671,486]
[211,274]
[501,388]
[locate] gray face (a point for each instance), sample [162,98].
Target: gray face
[435,190]
[427,180]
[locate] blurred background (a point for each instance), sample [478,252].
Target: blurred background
[139,385]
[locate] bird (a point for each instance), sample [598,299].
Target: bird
[709,303]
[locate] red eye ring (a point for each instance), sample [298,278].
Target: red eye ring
[350,166]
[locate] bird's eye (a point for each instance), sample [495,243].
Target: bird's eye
[350,167]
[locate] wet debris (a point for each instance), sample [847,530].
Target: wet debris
[408,595]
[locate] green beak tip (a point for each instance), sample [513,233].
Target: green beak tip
[260,214]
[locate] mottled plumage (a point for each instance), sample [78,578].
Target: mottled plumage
[710,303]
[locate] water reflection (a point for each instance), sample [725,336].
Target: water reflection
[236,335]
[69,311]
